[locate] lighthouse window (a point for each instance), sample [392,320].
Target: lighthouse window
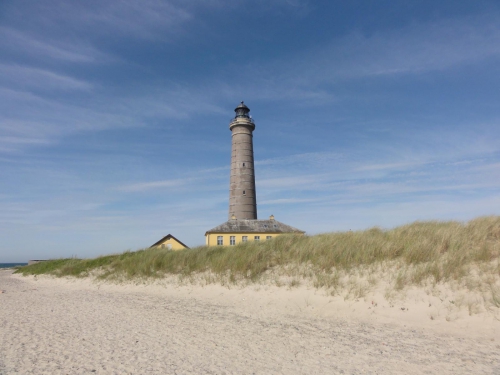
[243,164]
[244,193]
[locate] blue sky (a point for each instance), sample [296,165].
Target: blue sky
[114,117]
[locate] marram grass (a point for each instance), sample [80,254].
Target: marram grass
[420,252]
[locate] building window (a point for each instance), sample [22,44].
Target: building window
[256,238]
[169,246]
[269,237]
[220,240]
[232,240]
[162,245]
[244,239]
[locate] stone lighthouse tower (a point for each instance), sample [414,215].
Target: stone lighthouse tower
[242,197]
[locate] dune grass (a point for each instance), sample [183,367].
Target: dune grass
[421,251]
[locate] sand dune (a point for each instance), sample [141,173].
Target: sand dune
[70,326]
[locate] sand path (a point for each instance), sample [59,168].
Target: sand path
[75,327]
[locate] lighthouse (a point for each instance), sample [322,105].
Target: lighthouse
[243,225]
[242,194]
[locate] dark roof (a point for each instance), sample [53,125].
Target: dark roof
[261,226]
[242,105]
[168,236]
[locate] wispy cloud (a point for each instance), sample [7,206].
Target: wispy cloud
[412,49]
[314,158]
[287,201]
[340,216]
[369,180]
[144,18]
[51,118]
[137,18]
[35,46]
[287,182]
[164,184]
[416,48]
[387,166]
[8,144]
[23,77]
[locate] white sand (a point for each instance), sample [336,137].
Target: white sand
[68,326]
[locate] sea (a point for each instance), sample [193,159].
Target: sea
[10,265]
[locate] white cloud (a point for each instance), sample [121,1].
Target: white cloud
[9,144]
[388,214]
[413,49]
[164,184]
[287,201]
[387,166]
[39,47]
[143,19]
[306,78]
[49,118]
[289,182]
[312,158]
[23,77]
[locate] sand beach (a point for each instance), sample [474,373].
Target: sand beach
[79,326]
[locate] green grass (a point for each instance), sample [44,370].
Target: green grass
[420,252]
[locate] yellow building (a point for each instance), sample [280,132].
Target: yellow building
[170,242]
[234,231]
